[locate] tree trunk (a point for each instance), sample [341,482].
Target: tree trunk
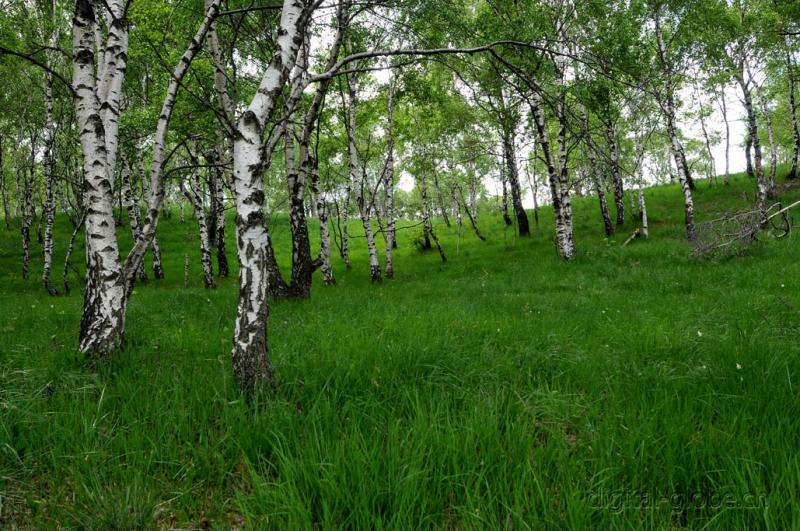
[643,212]
[217,191]
[599,186]
[426,216]
[512,171]
[533,183]
[684,178]
[793,115]
[302,268]
[601,196]
[712,169]
[764,191]
[440,197]
[158,267]
[192,193]
[251,363]
[70,249]
[103,321]
[723,106]
[668,106]
[616,172]
[504,180]
[25,211]
[564,239]
[388,185]
[324,229]
[344,216]
[773,153]
[157,187]
[131,204]
[4,189]
[358,178]
[474,223]
[748,154]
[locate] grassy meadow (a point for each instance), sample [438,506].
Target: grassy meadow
[634,387]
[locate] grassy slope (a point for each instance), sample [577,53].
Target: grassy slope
[505,388]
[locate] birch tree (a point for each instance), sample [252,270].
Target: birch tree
[251,362]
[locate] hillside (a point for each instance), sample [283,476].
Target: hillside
[632,387]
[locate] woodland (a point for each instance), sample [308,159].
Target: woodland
[404,264]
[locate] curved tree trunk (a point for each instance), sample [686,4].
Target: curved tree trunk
[157,187]
[70,249]
[599,186]
[250,357]
[668,107]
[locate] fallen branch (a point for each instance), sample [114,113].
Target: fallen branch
[636,234]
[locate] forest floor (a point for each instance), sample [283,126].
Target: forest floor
[636,387]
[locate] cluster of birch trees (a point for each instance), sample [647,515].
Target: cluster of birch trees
[117,113]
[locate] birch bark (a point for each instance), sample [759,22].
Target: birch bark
[358,178]
[388,185]
[103,321]
[250,357]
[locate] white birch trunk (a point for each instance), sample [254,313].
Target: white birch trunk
[324,228]
[131,204]
[426,214]
[344,216]
[752,130]
[103,321]
[790,74]
[388,185]
[358,179]
[49,177]
[564,243]
[191,191]
[619,189]
[684,174]
[773,150]
[251,363]
[723,107]
[4,188]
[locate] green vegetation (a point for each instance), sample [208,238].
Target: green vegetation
[633,387]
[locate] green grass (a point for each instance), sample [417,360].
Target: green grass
[635,387]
